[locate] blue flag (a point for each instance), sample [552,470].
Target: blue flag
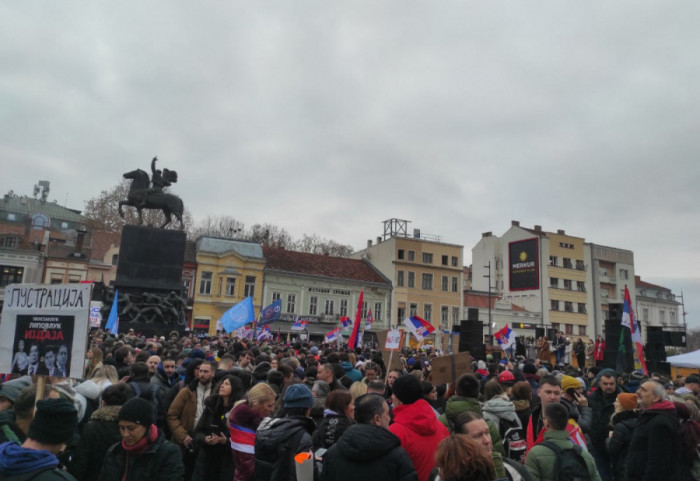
[113,320]
[270,313]
[238,316]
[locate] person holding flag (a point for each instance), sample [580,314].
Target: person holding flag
[629,321]
[353,341]
[369,321]
[506,341]
[420,328]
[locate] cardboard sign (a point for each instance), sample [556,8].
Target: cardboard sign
[446,369]
[44,329]
[393,340]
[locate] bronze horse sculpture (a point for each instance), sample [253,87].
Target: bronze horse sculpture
[141,197]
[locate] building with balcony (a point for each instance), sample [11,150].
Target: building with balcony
[320,289]
[427,274]
[228,271]
[612,270]
[656,306]
[545,273]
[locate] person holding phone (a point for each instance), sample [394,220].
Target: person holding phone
[573,398]
[211,435]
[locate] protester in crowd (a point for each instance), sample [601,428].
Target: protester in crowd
[165,375]
[580,353]
[357,389]
[143,452]
[497,408]
[590,354]
[543,352]
[575,401]
[599,351]
[99,433]
[458,458]
[541,459]
[415,424]
[338,416]
[320,391]
[14,422]
[50,431]
[653,452]
[367,450]
[522,401]
[105,376]
[93,361]
[243,423]
[279,440]
[326,372]
[185,411]
[622,422]
[211,434]
[602,402]
[9,390]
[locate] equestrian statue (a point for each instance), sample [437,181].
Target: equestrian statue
[146,193]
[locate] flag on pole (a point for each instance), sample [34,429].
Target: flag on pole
[629,321]
[264,334]
[354,339]
[346,321]
[333,335]
[370,320]
[113,320]
[239,315]
[418,327]
[271,313]
[279,333]
[503,337]
[299,325]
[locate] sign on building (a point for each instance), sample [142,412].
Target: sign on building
[524,265]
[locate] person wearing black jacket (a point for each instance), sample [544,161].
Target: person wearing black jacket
[622,423]
[602,402]
[368,450]
[100,432]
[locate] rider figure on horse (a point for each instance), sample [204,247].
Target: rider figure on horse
[159,180]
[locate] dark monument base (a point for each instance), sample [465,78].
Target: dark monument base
[149,281]
[151,258]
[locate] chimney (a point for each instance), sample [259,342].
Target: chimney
[515,223]
[487,234]
[538,228]
[369,243]
[561,232]
[379,240]
[416,233]
[79,243]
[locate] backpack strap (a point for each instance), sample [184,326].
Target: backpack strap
[557,451]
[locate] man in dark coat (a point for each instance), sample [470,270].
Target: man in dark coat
[100,432]
[368,450]
[602,402]
[655,444]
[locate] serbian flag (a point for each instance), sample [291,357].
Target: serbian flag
[242,438]
[418,327]
[333,335]
[629,321]
[503,337]
[298,325]
[264,334]
[369,321]
[346,321]
[354,339]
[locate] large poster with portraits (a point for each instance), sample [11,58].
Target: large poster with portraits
[44,328]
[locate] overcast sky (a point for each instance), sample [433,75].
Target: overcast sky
[330,117]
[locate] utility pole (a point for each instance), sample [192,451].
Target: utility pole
[685,326]
[490,325]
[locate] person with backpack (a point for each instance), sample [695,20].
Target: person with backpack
[501,411]
[557,458]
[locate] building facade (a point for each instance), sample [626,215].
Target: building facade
[228,271]
[656,306]
[545,273]
[427,275]
[320,289]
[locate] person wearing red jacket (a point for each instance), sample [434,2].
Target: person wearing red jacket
[599,351]
[416,425]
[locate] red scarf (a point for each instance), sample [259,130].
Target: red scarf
[140,447]
[662,406]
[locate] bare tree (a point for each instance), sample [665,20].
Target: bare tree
[102,211]
[270,236]
[217,226]
[318,245]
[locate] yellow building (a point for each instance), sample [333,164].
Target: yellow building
[568,296]
[228,271]
[427,274]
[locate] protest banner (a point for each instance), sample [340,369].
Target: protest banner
[44,329]
[446,369]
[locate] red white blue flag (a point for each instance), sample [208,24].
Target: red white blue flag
[418,327]
[333,335]
[370,320]
[346,321]
[264,334]
[628,320]
[354,339]
[299,325]
[242,438]
[503,337]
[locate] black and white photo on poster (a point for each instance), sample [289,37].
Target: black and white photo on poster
[43,345]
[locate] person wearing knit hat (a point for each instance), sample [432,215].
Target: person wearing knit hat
[143,451]
[283,438]
[52,428]
[576,402]
[623,422]
[415,424]
[9,391]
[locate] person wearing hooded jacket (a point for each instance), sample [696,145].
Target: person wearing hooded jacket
[367,450]
[498,407]
[622,422]
[415,424]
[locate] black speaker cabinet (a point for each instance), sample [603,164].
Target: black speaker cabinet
[472,314]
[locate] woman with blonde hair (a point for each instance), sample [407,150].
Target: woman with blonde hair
[105,376]
[243,422]
[357,389]
[93,361]
[458,458]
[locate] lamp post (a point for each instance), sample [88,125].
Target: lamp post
[488,276]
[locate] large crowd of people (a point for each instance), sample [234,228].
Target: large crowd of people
[185,408]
